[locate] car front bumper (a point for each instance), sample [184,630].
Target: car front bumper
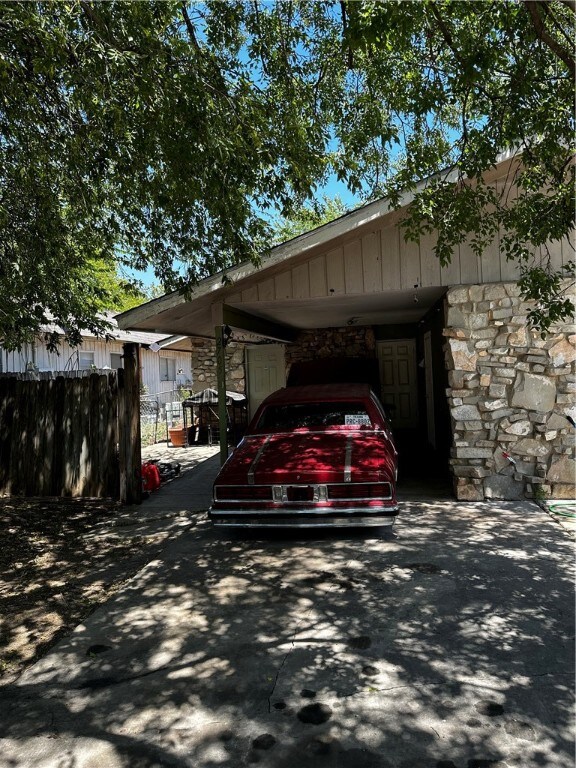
[304,518]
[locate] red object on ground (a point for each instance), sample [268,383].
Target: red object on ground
[150,476]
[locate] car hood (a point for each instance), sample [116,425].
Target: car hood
[311,457]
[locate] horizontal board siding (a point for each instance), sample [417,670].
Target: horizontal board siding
[67,361]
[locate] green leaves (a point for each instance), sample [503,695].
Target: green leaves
[170,133]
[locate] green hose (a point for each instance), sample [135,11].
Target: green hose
[563,508]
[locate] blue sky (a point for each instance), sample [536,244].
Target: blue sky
[333,188]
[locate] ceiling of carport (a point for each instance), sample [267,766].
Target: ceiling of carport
[389,308]
[383,308]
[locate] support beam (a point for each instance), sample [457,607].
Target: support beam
[129,426]
[221,386]
[238,318]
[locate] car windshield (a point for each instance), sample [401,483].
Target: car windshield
[313,415]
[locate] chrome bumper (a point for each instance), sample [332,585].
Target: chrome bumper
[352,518]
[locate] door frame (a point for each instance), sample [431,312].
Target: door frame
[429,389]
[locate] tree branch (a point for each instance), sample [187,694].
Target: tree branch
[533,8]
[557,26]
[190,28]
[447,35]
[344,13]
[99,27]
[449,40]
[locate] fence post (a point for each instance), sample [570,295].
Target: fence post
[129,426]
[221,378]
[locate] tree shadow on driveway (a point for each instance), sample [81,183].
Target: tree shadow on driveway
[446,644]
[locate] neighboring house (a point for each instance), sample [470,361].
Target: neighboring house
[165,360]
[464,373]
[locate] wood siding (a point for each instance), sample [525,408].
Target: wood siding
[382,260]
[377,258]
[68,360]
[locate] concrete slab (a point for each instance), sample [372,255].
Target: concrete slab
[448,643]
[174,505]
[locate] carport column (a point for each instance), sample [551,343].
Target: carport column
[221,379]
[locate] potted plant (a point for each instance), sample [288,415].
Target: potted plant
[177,435]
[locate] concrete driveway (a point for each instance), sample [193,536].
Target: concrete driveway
[446,644]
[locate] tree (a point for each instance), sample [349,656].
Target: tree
[122,291]
[469,81]
[306,218]
[157,134]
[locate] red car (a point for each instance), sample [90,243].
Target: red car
[317,455]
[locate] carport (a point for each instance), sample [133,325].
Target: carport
[354,273]
[462,373]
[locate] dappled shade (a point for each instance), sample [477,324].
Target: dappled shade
[448,644]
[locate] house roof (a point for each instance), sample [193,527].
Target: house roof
[144,338]
[230,296]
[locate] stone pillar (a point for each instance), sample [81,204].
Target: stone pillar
[510,393]
[204,366]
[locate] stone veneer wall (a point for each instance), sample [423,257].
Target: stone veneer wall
[204,366]
[310,345]
[509,392]
[353,341]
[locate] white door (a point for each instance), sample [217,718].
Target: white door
[397,360]
[429,375]
[265,373]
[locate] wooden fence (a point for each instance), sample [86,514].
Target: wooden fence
[71,434]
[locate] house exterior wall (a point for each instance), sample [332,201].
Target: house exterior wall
[356,341]
[310,345]
[68,360]
[204,366]
[510,391]
[379,259]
